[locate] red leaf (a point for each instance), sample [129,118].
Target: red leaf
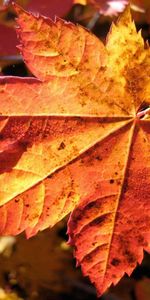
[76,138]
[8,36]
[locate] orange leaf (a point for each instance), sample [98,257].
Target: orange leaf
[76,138]
[7,19]
[83,2]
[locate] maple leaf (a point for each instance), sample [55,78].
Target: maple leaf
[7,19]
[76,138]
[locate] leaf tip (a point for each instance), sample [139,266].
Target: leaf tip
[19,10]
[125,17]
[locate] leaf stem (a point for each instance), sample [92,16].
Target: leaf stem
[93,21]
[143,113]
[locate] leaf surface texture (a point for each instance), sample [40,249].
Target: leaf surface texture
[71,140]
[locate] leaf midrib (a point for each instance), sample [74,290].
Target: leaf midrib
[72,160]
[119,196]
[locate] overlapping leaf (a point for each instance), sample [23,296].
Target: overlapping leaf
[7,19]
[72,140]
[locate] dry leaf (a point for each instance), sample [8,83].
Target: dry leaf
[76,138]
[7,19]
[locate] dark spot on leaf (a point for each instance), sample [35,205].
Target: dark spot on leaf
[111,181]
[16,200]
[61,146]
[98,158]
[115,262]
[94,244]
[129,256]
[118,182]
